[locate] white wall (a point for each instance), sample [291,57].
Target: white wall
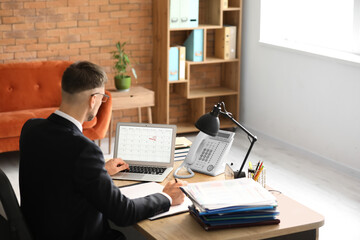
[308,101]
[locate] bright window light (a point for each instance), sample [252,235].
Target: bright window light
[327,24]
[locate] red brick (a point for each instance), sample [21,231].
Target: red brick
[99,43]
[36,5]
[35,19]
[26,41]
[99,2]
[95,16]
[80,31]
[45,25]
[6,56]
[69,52]
[80,58]
[77,3]
[70,38]
[89,9]
[88,23]
[19,48]
[11,5]
[66,24]
[47,53]
[14,34]
[67,10]
[128,20]
[109,8]
[99,29]
[56,32]
[36,47]
[119,14]
[130,6]
[7,41]
[23,26]
[89,50]
[26,55]
[57,3]
[108,22]
[6,12]
[9,20]
[79,45]
[58,46]
[49,39]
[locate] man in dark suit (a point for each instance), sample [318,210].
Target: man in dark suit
[66,190]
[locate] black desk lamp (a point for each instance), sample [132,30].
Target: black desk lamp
[210,124]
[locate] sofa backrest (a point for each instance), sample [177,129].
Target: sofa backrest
[30,85]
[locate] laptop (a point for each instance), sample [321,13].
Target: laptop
[147,148]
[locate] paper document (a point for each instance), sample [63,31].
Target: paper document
[144,189]
[228,193]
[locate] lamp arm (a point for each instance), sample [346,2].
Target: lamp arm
[253,139]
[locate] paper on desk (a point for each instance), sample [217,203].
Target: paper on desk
[229,193]
[144,189]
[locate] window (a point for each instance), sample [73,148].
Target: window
[319,26]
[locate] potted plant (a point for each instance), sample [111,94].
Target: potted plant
[122,81]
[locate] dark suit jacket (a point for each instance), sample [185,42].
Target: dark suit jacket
[66,193]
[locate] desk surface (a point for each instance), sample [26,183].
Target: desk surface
[294,218]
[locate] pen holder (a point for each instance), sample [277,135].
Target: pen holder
[260,179]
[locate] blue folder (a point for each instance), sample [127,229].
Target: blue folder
[195,46]
[173,64]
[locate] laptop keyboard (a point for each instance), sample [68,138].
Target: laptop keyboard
[145,170]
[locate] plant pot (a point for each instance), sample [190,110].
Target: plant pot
[122,83]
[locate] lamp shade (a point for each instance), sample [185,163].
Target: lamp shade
[209,124]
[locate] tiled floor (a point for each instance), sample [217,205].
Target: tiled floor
[330,189]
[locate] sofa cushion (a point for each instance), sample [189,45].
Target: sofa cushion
[11,122]
[31,85]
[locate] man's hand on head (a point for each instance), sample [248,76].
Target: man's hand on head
[116,165]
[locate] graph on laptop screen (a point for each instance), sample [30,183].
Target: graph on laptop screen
[145,144]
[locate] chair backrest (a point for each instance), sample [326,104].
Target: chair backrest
[12,223]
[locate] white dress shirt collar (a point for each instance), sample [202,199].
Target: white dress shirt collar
[70,118]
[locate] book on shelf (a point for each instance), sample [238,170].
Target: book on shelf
[225,42]
[231,203]
[184,13]
[173,64]
[194,46]
[182,59]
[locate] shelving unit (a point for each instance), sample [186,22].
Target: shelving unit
[206,83]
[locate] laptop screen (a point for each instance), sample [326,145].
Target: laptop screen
[147,143]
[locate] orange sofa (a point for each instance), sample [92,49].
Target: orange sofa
[33,90]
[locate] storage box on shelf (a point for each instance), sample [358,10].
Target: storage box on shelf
[206,82]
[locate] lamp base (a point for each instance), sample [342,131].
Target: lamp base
[238,174]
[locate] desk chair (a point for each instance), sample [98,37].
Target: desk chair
[12,223]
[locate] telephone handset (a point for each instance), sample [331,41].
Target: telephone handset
[207,154]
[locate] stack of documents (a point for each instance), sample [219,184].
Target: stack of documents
[182,147]
[231,203]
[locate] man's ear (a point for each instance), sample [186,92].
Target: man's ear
[92,101]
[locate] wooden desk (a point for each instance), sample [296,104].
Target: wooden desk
[296,221]
[136,97]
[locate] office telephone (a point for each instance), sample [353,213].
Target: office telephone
[207,154]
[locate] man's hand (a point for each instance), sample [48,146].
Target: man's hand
[173,190]
[115,165]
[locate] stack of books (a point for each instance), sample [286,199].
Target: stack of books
[182,147]
[231,203]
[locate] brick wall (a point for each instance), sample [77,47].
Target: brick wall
[35,30]
[79,30]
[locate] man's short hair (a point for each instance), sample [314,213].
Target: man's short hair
[81,76]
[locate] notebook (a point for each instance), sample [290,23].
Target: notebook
[147,148]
